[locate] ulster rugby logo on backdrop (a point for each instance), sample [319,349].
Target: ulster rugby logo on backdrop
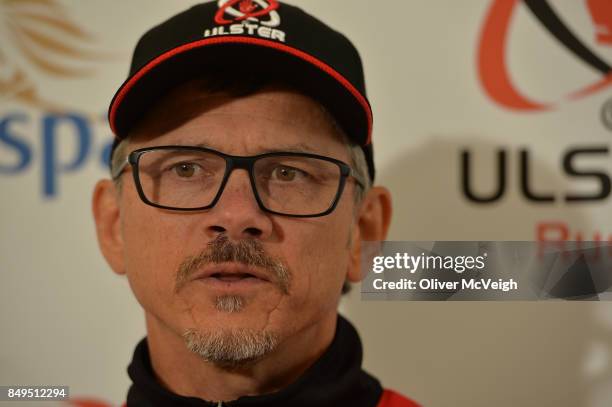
[493,67]
[247,17]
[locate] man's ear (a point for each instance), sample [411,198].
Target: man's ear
[105,207]
[372,224]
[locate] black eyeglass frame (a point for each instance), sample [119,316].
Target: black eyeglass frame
[233,162]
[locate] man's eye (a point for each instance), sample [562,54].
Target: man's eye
[284,173]
[185,170]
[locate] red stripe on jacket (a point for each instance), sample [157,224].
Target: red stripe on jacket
[390,398]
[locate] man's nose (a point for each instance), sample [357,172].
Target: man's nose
[237,213]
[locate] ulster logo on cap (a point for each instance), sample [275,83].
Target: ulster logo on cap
[251,10]
[247,17]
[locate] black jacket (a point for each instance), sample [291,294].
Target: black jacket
[336,379]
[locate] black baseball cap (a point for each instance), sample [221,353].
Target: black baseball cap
[262,35]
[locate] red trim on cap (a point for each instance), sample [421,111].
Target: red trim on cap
[244,40]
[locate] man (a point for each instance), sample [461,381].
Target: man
[240,196]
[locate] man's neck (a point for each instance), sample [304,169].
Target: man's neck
[187,374]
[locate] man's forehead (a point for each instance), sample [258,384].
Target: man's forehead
[188,115]
[297,147]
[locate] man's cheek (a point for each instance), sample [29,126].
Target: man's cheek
[149,268]
[315,264]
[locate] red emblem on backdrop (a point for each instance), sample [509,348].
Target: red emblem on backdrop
[492,63]
[601,12]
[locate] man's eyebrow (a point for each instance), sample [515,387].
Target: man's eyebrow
[293,148]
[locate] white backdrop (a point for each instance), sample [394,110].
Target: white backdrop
[67,319]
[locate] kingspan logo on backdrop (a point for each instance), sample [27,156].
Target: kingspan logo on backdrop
[41,44]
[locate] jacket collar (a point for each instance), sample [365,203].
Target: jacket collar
[335,379]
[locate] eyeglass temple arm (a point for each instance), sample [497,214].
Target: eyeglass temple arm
[357,178]
[119,170]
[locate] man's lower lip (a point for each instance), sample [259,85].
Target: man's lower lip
[232,283]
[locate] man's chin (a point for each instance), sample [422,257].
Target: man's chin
[231,347]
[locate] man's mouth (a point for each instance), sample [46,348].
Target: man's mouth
[221,276]
[232,275]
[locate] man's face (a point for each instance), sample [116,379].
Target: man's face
[158,243]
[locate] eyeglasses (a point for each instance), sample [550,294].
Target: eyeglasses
[188,178]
